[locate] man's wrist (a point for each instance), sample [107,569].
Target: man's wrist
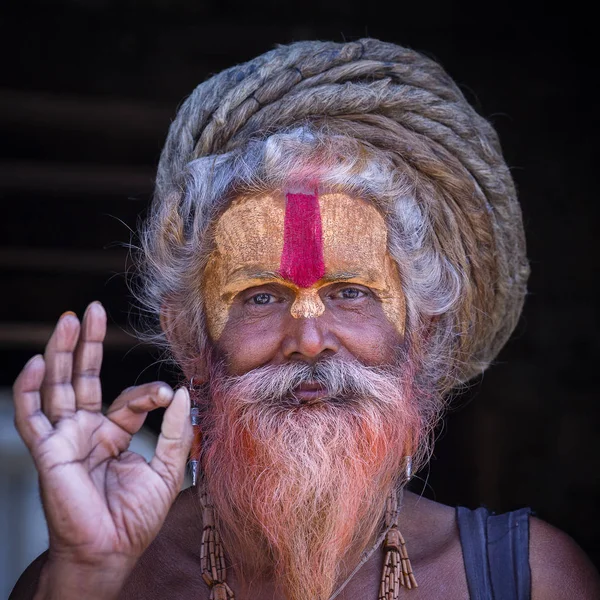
[60,580]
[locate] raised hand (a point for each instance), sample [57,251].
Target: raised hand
[103,504]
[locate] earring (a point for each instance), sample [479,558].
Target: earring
[397,569]
[197,442]
[408,467]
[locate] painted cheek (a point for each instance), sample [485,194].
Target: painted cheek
[307,305]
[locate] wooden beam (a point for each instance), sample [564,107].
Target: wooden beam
[35,336]
[75,178]
[105,117]
[63,260]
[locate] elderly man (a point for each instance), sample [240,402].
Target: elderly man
[335,244]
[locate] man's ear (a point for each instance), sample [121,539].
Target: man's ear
[429,329]
[186,351]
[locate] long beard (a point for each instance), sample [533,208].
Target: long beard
[294,485]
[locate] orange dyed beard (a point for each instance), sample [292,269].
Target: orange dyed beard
[300,492]
[249,240]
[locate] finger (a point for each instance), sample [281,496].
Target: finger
[87,359]
[58,396]
[174,441]
[31,423]
[130,408]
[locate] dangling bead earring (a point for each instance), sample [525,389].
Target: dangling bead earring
[197,441]
[397,570]
[212,557]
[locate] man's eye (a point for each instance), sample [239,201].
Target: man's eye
[351,293]
[262,298]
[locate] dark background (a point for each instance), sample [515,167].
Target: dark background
[87,92]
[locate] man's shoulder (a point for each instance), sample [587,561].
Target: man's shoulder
[559,567]
[431,524]
[170,566]
[184,519]
[433,544]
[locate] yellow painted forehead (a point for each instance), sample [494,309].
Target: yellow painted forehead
[252,229]
[249,240]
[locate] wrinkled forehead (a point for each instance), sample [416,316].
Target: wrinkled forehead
[252,231]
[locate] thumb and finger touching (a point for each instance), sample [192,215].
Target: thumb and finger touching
[58,407]
[66,379]
[130,408]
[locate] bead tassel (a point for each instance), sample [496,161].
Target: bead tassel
[397,570]
[212,558]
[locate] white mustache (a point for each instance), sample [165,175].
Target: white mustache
[344,381]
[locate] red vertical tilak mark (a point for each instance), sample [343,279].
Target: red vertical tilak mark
[302,257]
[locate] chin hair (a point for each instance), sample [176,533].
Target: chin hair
[300,490]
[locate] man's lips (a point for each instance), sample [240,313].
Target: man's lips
[309,392]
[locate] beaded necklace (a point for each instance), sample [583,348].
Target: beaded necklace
[397,570]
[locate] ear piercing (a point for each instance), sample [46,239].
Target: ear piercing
[197,443]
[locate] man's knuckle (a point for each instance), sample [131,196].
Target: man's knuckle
[91,372]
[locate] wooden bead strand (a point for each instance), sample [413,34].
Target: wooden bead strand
[397,570]
[212,557]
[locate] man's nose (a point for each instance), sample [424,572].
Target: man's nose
[308,304]
[309,338]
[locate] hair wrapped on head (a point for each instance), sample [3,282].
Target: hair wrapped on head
[422,154]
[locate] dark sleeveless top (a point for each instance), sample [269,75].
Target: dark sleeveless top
[496,553]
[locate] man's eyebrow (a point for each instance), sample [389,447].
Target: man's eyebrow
[254,273]
[245,277]
[367,276]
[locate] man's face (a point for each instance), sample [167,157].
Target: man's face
[301,279]
[306,421]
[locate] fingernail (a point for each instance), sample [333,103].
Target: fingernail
[68,313]
[164,393]
[95,302]
[33,359]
